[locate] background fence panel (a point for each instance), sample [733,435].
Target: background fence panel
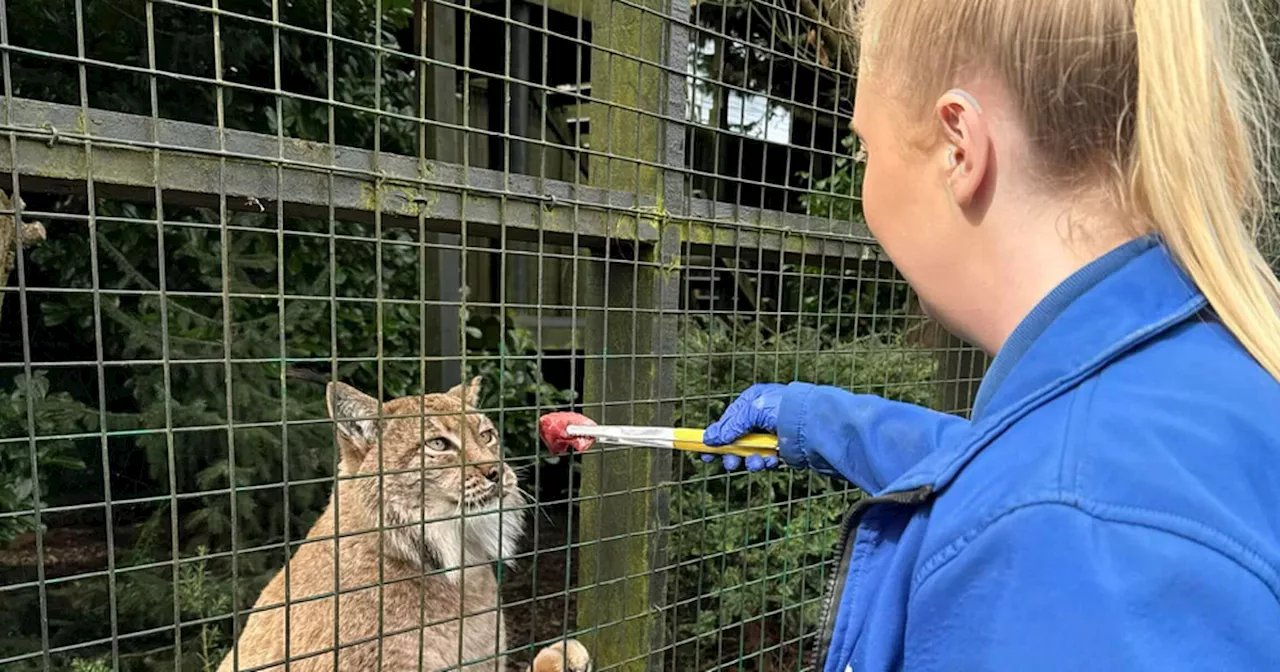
[633,208]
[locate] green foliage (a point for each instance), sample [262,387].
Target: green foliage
[145,600]
[94,665]
[514,392]
[836,196]
[115,32]
[53,414]
[208,598]
[752,548]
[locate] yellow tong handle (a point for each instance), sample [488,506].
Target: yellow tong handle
[764,445]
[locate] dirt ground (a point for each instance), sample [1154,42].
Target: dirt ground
[539,607]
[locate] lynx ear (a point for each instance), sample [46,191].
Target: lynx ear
[470,393]
[354,412]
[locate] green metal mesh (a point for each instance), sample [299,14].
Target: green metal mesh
[631,208]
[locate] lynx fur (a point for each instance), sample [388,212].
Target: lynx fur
[415,515]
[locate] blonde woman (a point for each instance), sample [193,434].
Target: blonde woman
[1076,186]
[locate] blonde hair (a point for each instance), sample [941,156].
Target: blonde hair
[1165,102]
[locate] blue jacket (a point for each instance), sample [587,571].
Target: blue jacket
[1113,505]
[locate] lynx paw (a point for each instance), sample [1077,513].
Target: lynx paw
[566,656]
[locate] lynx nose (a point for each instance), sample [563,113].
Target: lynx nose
[493,472]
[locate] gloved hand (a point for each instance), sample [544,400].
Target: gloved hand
[755,410]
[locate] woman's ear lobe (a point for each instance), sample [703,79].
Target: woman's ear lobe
[965,177]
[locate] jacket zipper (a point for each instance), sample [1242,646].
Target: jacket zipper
[835,583]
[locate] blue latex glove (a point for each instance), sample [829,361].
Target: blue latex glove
[753,462]
[756,410]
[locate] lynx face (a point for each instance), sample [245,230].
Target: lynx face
[431,467]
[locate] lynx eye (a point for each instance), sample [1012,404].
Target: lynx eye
[488,436]
[436,447]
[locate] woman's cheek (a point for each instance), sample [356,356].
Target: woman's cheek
[872,203]
[887,211]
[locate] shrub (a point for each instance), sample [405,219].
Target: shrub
[53,414]
[753,549]
[835,196]
[514,392]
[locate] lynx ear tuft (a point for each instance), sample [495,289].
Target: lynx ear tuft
[354,412]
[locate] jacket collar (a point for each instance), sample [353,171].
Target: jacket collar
[1129,306]
[1048,310]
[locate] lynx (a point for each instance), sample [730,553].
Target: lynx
[422,507]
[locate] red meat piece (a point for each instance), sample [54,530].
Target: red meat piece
[552,426]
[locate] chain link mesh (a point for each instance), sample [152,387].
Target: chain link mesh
[630,208]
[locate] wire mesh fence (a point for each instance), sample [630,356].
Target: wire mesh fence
[631,208]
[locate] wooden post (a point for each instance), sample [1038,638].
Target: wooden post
[620,515]
[435,37]
[623,510]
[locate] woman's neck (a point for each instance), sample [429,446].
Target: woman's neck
[1031,258]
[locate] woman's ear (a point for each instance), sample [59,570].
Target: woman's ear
[966,158]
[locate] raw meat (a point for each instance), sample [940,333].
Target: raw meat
[551,427]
